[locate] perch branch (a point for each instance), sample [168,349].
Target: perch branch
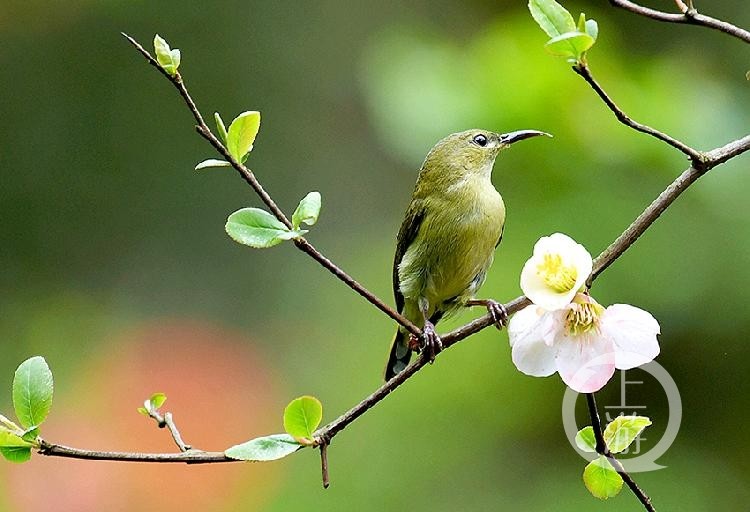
[689,17]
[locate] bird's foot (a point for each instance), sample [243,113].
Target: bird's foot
[498,313]
[431,343]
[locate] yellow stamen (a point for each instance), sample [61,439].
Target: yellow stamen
[583,315]
[556,275]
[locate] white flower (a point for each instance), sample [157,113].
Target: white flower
[584,342]
[556,271]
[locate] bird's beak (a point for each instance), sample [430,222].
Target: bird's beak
[510,138]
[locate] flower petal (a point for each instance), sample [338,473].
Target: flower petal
[586,362]
[633,332]
[530,353]
[573,255]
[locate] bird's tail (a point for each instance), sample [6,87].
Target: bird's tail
[400,355]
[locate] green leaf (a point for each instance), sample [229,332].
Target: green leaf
[585,439]
[220,127]
[592,29]
[264,448]
[258,228]
[10,439]
[30,435]
[301,417]
[32,392]
[16,454]
[241,134]
[166,57]
[157,400]
[13,448]
[552,17]
[212,162]
[601,479]
[307,211]
[623,430]
[144,411]
[571,45]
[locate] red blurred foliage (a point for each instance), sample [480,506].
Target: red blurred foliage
[220,392]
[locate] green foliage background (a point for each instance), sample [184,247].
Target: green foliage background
[105,227]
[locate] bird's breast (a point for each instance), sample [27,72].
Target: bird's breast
[455,244]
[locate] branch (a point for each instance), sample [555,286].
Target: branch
[251,180]
[188,457]
[582,69]
[689,17]
[602,449]
[711,159]
[167,421]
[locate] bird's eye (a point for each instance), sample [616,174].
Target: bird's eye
[480,140]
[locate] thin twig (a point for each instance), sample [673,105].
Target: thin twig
[175,433]
[712,159]
[602,449]
[689,16]
[187,457]
[167,421]
[696,156]
[251,180]
[324,465]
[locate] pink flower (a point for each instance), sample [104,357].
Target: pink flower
[583,342]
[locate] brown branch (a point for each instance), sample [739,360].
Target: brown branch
[251,180]
[187,457]
[602,449]
[689,17]
[582,69]
[711,159]
[324,465]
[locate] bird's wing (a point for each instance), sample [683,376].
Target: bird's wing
[406,235]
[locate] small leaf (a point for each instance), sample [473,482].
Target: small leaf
[144,411]
[13,448]
[552,17]
[307,211]
[166,57]
[264,448]
[32,392]
[212,162]
[30,435]
[592,29]
[242,133]
[220,127]
[302,416]
[623,430]
[581,26]
[571,45]
[601,479]
[585,439]
[16,454]
[157,400]
[258,228]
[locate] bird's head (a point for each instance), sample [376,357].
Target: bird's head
[472,151]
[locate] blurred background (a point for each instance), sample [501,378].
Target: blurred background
[116,267]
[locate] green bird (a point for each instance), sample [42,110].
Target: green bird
[448,238]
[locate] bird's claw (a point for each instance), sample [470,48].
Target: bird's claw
[431,342]
[498,313]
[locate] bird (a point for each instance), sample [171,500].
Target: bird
[448,237]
